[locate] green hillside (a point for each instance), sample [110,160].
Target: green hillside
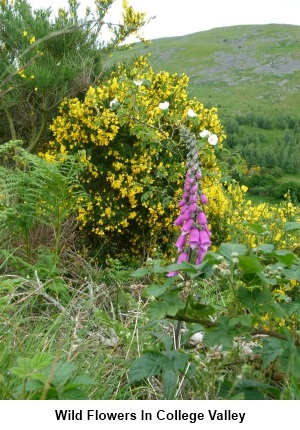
[237,69]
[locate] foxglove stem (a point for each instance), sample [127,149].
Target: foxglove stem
[195,234]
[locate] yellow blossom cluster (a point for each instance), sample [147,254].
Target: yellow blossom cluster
[261,223]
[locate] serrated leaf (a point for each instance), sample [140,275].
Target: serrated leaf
[166,304]
[284,257]
[200,310]
[289,360]
[262,296]
[244,320]
[149,364]
[152,363]
[23,369]
[227,249]
[250,264]
[159,310]
[61,371]
[177,359]
[37,376]
[155,290]
[272,349]
[83,380]
[41,360]
[245,297]
[222,334]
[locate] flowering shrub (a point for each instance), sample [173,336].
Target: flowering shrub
[129,127]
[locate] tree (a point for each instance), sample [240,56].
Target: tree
[47,56]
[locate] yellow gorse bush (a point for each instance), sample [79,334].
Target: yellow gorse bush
[135,162]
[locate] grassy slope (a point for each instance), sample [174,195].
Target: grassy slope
[237,68]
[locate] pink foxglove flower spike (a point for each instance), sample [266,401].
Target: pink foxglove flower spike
[195,234]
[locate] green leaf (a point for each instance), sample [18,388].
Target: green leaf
[291,226]
[84,380]
[250,264]
[199,310]
[149,364]
[23,369]
[185,267]
[292,273]
[177,359]
[266,248]
[141,272]
[37,376]
[285,257]
[165,338]
[73,394]
[227,249]
[223,334]
[245,297]
[41,360]
[166,304]
[244,320]
[271,350]
[262,296]
[290,360]
[177,362]
[257,228]
[153,363]
[155,290]
[62,372]
[169,381]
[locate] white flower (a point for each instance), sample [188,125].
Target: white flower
[164,105]
[205,133]
[197,338]
[191,113]
[113,103]
[213,139]
[138,83]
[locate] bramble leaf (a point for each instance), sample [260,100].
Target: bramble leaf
[227,249]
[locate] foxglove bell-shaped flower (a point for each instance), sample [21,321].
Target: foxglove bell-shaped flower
[194,238]
[203,199]
[195,234]
[184,256]
[181,242]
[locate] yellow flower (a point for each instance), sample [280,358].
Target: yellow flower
[32,40]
